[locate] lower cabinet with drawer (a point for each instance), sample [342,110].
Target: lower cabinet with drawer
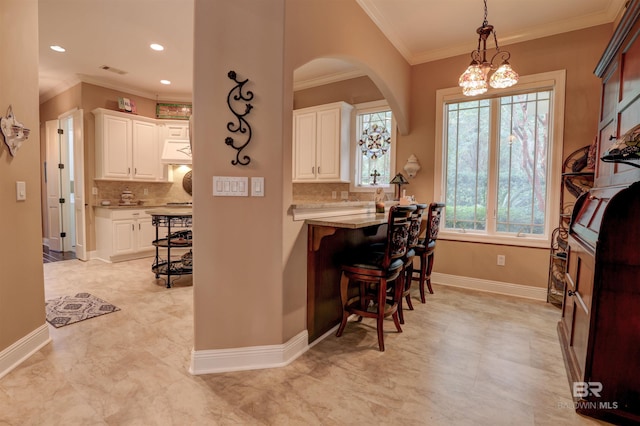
[123,234]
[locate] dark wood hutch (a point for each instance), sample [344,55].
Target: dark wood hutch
[600,326]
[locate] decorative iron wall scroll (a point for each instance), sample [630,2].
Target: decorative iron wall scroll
[235,100]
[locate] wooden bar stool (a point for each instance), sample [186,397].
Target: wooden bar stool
[426,247]
[378,275]
[412,243]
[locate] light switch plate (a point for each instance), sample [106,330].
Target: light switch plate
[229,186]
[257,187]
[21,191]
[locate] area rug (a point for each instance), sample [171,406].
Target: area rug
[67,310]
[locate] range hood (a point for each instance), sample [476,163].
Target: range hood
[176,151]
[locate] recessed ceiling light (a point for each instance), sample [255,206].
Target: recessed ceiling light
[157,47]
[57,48]
[165,82]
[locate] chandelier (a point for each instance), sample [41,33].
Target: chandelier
[375,141]
[474,80]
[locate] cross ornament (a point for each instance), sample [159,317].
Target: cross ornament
[375,175]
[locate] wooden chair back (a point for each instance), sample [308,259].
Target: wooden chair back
[416,224]
[397,233]
[433,222]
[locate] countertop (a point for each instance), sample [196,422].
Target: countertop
[330,210]
[129,207]
[355,221]
[330,204]
[170,211]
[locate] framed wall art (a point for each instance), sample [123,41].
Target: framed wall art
[173,111]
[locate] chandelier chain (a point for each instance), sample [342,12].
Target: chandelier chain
[485,22]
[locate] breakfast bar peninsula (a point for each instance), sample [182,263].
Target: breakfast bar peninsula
[329,240]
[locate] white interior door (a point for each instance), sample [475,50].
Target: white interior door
[52,179]
[80,202]
[66,185]
[66,221]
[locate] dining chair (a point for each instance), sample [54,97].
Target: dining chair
[413,242]
[425,250]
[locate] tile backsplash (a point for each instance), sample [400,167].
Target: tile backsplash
[323,192]
[158,193]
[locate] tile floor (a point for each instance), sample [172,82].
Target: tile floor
[464,358]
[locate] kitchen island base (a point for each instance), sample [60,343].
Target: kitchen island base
[178,236]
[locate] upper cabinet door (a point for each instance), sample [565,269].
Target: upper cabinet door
[328,145]
[146,155]
[116,147]
[304,146]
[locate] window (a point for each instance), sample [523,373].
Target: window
[499,173]
[373,151]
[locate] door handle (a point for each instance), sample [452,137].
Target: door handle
[570,293]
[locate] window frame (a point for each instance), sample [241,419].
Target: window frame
[553,81]
[364,108]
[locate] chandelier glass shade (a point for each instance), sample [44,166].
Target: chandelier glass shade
[475,80]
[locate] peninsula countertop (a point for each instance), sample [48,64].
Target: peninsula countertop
[327,211]
[355,221]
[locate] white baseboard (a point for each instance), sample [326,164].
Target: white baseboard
[518,290]
[18,352]
[250,358]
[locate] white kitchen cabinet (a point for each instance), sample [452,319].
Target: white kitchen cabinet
[321,140]
[127,148]
[123,234]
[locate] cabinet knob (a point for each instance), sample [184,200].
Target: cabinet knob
[570,293]
[612,137]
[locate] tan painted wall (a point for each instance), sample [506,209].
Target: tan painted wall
[341,29]
[21,280]
[249,249]
[238,294]
[578,53]
[353,91]
[319,29]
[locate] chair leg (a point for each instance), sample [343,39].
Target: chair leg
[407,285]
[398,299]
[382,298]
[428,277]
[344,287]
[423,272]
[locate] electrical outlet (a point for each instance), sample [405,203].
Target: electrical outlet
[146,191]
[501,259]
[344,195]
[334,195]
[94,191]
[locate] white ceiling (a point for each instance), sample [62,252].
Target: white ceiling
[117,33]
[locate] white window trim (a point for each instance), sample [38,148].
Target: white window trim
[553,80]
[365,107]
